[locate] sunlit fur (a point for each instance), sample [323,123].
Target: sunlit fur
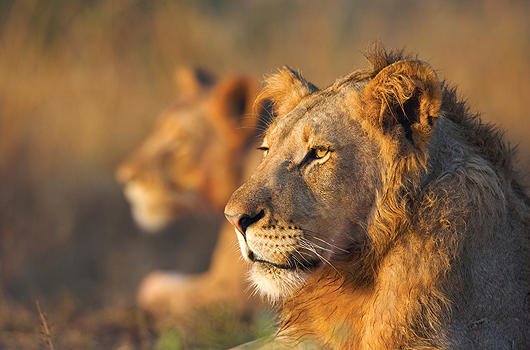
[424,218]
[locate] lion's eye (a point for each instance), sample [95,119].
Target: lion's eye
[265,150]
[320,153]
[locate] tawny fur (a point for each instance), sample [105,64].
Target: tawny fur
[286,89]
[442,258]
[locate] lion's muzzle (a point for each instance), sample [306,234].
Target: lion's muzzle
[241,221]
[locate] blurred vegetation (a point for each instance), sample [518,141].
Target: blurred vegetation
[81,83]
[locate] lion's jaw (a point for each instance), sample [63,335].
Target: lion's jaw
[148,214]
[277,273]
[153,210]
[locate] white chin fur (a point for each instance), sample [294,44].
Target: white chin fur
[147,214]
[274,283]
[269,281]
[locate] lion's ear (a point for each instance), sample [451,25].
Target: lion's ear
[404,100]
[285,90]
[190,81]
[232,100]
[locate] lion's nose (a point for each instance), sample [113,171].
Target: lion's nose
[125,172]
[242,221]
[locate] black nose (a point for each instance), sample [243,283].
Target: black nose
[242,221]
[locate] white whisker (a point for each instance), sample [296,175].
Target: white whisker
[331,245]
[312,247]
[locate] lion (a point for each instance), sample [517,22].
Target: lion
[385,215]
[190,164]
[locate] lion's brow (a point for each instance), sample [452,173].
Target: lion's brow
[307,131]
[282,128]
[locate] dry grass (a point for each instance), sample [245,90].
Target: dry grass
[46,328]
[82,81]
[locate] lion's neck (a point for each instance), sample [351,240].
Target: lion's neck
[336,313]
[319,313]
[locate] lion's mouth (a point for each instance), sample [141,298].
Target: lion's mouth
[293,265]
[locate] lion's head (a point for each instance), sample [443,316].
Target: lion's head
[380,204]
[327,158]
[191,161]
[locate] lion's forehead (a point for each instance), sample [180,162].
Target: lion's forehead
[313,130]
[322,120]
[185,118]
[182,126]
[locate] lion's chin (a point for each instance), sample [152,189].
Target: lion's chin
[148,213]
[276,283]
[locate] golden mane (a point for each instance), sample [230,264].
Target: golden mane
[451,208]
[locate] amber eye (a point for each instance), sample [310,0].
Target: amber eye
[320,153]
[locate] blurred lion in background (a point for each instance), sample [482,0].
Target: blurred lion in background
[191,163]
[386,215]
